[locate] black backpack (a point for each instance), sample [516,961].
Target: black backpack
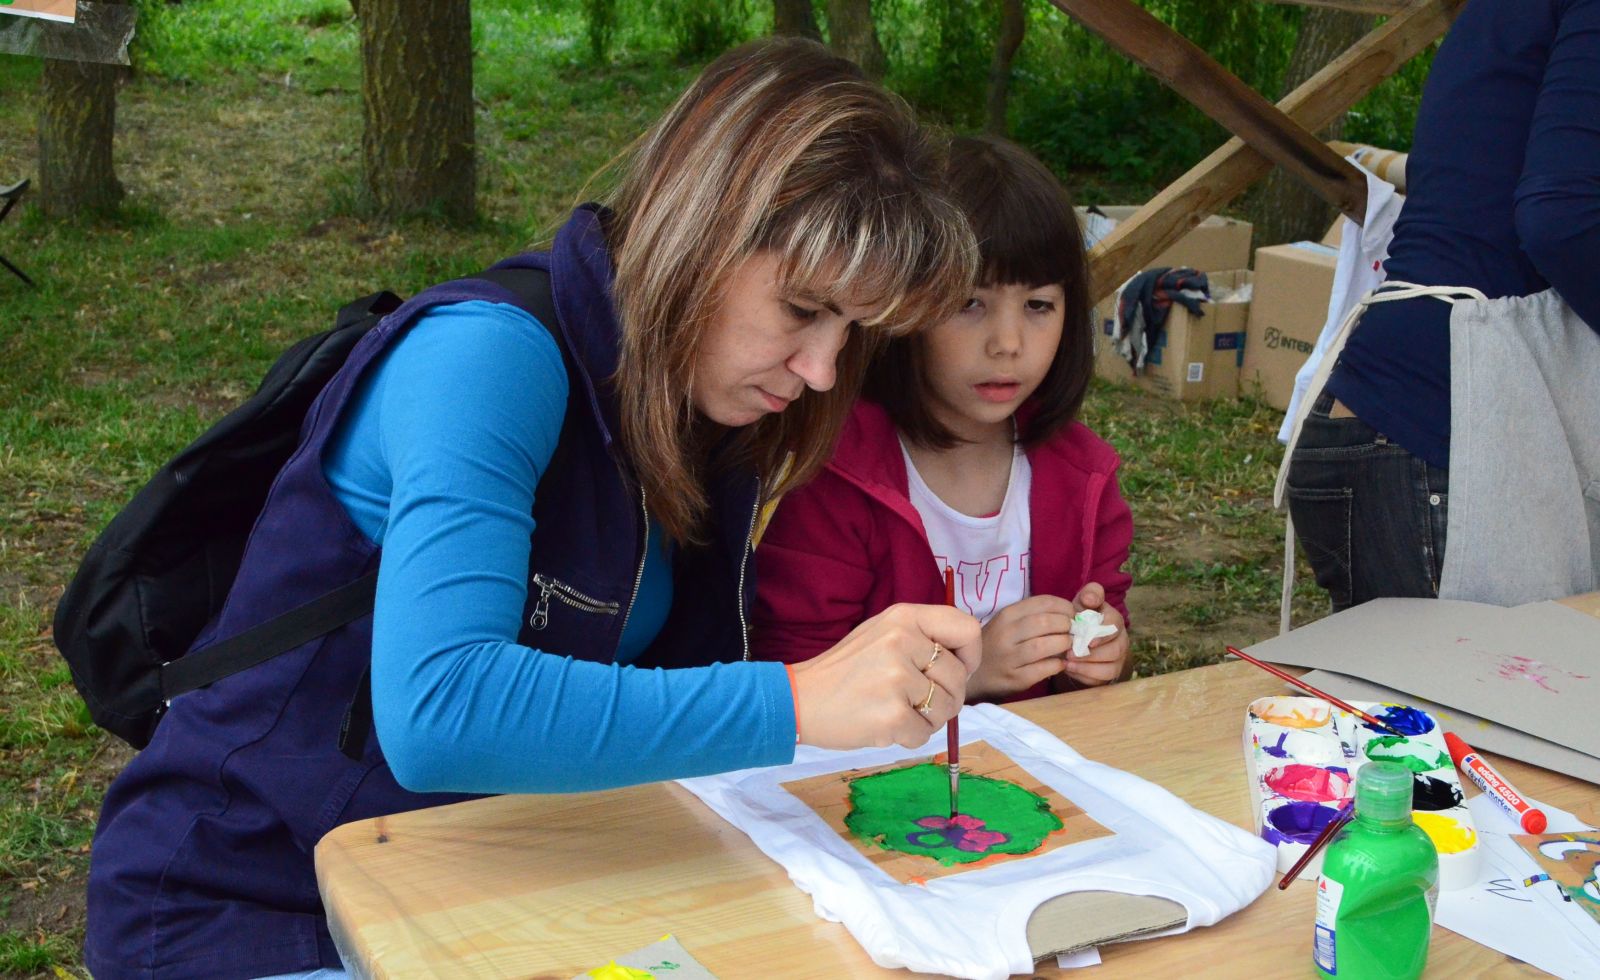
[161,569]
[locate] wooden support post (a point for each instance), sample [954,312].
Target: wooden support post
[1378,7]
[1227,172]
[1217,92]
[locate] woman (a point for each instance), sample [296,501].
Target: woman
[552,506]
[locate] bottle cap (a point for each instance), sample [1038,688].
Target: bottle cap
[1383,792]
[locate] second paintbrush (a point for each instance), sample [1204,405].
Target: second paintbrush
[1316,693]
[953,729]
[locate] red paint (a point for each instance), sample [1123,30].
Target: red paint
[1312,784]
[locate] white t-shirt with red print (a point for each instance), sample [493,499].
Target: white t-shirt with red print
[989,554]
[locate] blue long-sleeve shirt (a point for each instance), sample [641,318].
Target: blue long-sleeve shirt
[437,460]
[1503,195]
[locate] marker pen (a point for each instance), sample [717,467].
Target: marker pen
[1480,772]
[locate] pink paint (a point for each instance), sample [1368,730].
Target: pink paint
[1514,668]
[1312,784]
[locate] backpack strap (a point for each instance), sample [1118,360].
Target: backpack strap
[351,601]
[262,642]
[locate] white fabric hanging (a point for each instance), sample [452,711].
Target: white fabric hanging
[973,924]
[1362,251]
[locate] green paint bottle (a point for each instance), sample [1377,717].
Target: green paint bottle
[1379,878]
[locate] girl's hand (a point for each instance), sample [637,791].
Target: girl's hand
[1022,645]
[870,688]
[1108,656]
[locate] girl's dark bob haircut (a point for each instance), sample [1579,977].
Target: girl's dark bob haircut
[1027,234]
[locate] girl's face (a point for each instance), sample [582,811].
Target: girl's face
[764,347]
[985,361]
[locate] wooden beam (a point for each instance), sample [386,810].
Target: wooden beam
[1217,92]
[1226,173]
[1383,8]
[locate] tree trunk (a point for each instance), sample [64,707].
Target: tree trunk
[795,17]
[1013,23]
[851,34]
[1286,210]
[77,119]
[416,92]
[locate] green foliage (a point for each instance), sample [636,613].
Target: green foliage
[25,956]
[1386,116]
[703,29]
[939,54]
[314,43]
[600,21]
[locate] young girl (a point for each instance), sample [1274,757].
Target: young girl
[964,455]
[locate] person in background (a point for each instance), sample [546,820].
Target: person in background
[555,510]
[965,454]
[1470,412]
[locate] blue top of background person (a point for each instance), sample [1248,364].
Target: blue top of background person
[1502,195]
[508,477]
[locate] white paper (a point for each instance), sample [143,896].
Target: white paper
[1530,922]
[1078,958]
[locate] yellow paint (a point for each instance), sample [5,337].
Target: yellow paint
[1295,718]
[1448,835]
[616,971]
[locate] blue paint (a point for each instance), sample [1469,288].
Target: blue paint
[1277,751]
[1297,822]
[1403,719]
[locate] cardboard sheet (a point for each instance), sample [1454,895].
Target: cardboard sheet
[1534,668]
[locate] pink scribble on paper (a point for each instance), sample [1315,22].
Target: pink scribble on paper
[1526,668]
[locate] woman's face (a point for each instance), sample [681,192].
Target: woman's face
[765,347]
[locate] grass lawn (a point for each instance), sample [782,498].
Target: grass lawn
[239,146]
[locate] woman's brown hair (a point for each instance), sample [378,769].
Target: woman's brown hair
[1027,234]
[779,146]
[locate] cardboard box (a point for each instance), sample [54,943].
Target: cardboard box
[1194,358]
[1292,286]
[1213,245]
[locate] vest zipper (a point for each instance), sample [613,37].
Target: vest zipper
[744,562]
[567,594]
[644,553]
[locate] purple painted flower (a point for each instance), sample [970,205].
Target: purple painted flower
[961,831]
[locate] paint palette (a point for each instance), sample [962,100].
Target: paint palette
[1302,755]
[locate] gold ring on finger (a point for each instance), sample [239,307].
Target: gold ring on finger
[933,659]
[927,702]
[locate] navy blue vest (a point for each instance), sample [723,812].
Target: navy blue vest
[202,861]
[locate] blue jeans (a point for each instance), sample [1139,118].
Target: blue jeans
[1370,516]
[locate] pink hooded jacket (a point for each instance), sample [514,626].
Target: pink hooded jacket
[849,544]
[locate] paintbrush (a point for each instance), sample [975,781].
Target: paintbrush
[1339,820]
[952,730]
[1302,685]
